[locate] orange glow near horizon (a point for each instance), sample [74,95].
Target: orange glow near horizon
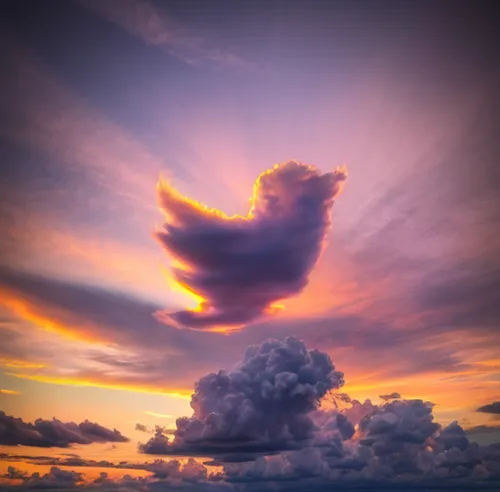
[89,382]
[9,392]
[30,312]
[435,386]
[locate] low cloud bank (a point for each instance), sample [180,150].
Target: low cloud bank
[493,408]
[263,426]
[261,422]
[53,433]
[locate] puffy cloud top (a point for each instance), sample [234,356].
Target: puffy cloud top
[263,404]
[262,423]
[240,266]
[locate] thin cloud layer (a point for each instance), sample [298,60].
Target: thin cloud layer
[239,266]
[391,396]
[53,433]
[144,19]
[150,352]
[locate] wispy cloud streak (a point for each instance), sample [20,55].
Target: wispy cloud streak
[152,24]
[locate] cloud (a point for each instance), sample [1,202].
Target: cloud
[453,436]
[261,423]
[482,429]
[159,415]
[260,406]
[397,423]
[159,468]
[392,396]
[147,352]
[141,427]
[191,470]
[493,408]
[396,446]
[15,473]
[9,392]
[163,475]
[53,433]
[56,478]
[152,352]
[144,19]
[484,434]
[239,266]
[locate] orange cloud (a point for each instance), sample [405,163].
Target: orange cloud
[33,312]
[20,364]
[111,383]
[160,415]
[9,392]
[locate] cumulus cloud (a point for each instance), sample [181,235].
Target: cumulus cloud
[239,266]
[493,408]
[56,478]
[262,423]
[48,433]
[141,427]
[262,405]
[396,445]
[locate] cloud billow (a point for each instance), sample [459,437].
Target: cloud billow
[239,266]
[263,405]
[262,423]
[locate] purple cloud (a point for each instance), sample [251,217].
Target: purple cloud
[53,433]
[262,405]
[493,408]
[391,396]
[261,423]
[240,266]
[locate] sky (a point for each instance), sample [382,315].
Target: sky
[182,180]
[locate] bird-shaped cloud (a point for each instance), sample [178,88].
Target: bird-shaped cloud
[238,267]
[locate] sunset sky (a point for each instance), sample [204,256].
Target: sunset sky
[99,99]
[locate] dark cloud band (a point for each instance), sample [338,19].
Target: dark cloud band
[53,433]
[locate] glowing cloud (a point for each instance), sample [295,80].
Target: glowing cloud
[239,267]
[9,392]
